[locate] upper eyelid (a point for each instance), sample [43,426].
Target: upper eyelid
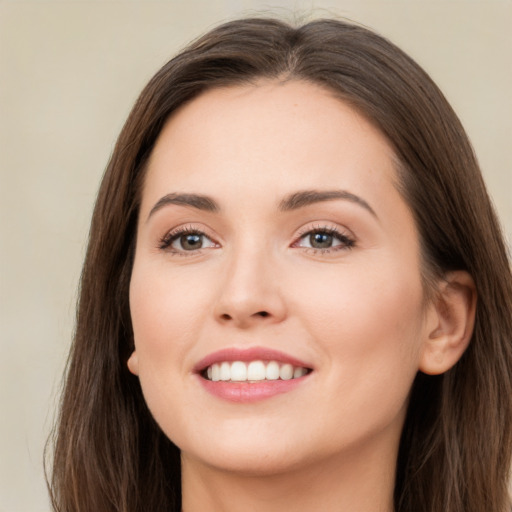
[189,227]
[331,227]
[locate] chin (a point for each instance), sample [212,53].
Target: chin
[247,461]
[247,454]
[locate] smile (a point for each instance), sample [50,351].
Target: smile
[253,371]
[245,375]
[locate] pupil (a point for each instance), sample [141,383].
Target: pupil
[320,240]
[191,241]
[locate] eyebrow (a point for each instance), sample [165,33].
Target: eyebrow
[294,201]
[197,201]
[309,197]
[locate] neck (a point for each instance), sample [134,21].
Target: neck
[362,484]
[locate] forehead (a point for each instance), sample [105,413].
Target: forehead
[279,135]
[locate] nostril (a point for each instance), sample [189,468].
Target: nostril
[242,318]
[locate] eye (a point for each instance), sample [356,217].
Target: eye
[186,240]
[324,240]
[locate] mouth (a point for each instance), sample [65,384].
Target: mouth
[251,374]
[253,371]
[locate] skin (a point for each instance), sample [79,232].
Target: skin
[357,315]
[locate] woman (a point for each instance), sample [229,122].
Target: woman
[296,293]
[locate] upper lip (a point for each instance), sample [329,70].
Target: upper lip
[248,354]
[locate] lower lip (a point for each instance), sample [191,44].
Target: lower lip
[244,392]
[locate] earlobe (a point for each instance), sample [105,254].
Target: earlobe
[133,363]
[451,328]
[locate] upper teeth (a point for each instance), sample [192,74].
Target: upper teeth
[238,371]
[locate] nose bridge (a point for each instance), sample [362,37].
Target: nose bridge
[249,291]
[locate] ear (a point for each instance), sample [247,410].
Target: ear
[133,363]
[450,324]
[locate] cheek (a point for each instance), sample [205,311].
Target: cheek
[167,311]
[164,306]
[369,325]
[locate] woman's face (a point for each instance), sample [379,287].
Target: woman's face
[272,243]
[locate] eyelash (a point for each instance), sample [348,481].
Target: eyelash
[169,238]
[347,242]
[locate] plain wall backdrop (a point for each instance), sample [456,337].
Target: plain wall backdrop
[69,74]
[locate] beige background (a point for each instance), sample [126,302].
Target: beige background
[70,71]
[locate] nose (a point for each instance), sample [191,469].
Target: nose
[249,291]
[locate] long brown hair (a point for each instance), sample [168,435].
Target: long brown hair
[456,445]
